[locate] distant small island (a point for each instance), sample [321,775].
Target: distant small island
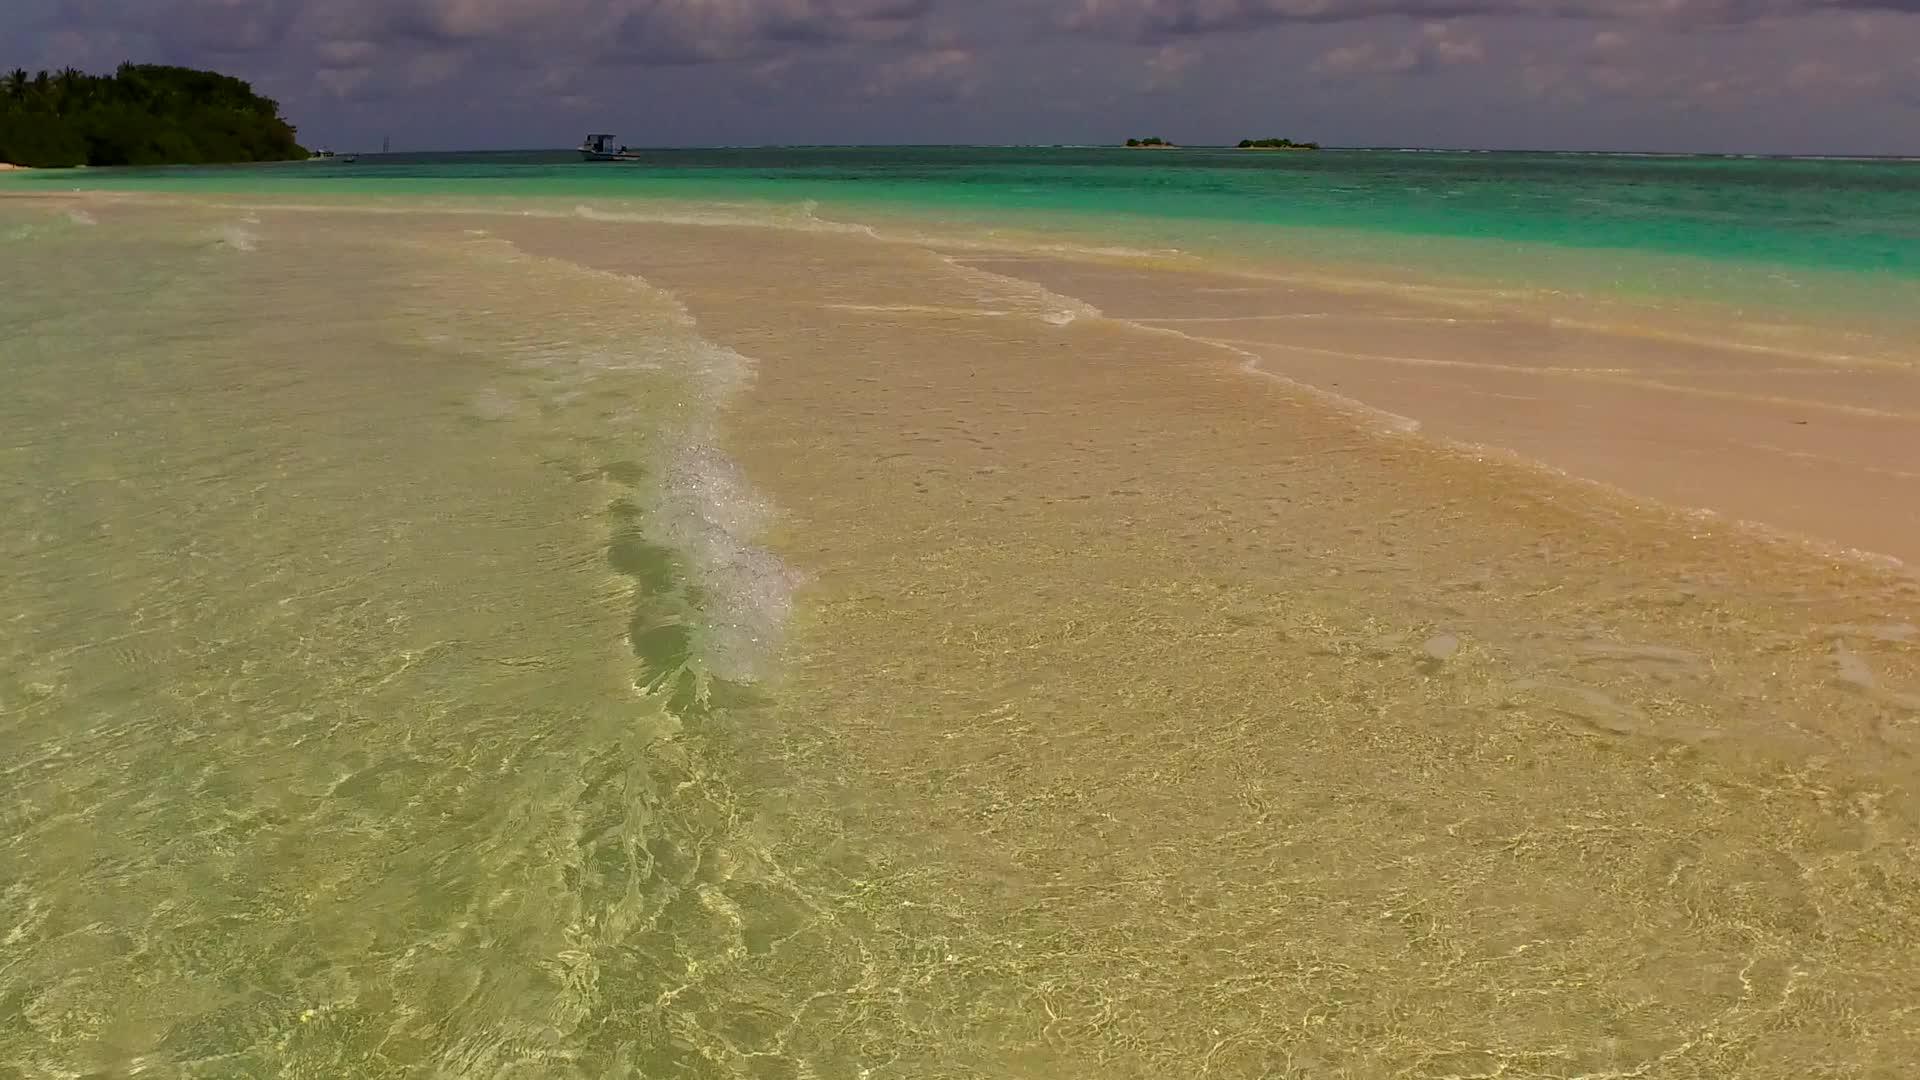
[142,114]
[1153,143]
[1277,144]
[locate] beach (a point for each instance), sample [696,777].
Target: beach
[563,635]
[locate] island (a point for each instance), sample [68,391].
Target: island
[142,114]
[1153,143]
[1276,144]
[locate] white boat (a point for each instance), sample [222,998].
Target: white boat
[599,147]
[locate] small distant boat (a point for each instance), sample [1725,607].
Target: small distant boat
[599,147]
[349,159]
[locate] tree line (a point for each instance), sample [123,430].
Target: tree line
[142,114]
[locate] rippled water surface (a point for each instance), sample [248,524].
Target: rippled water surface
[368,594]
[516,639]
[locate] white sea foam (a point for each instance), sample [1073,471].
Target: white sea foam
[237,236]
[802,217]
[1023,296]
[708,512]
[704,508]
[701,504]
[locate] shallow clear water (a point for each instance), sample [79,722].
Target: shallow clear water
[368,595]
[449,633]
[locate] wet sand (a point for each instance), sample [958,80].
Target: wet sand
[1220,734]
[1137,716]
[1813,445]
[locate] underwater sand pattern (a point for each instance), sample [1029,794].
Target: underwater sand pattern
[474,645]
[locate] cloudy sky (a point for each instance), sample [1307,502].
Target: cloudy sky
[1809,76]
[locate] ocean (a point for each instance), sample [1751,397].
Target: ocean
[1759,221]
[961,612]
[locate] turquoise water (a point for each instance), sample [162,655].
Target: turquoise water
[1823,250]
[1829,215]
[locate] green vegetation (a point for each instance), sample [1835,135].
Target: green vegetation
[1153,141]
[1277,144]
[143,114]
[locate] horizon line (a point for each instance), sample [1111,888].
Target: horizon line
[1324,147]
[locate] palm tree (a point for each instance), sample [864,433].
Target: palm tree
[68,87]
[14,84]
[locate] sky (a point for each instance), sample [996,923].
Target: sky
[1722,76]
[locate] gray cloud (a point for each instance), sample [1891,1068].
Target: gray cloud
[660,31]
[1437,45]
[1159,19]
[701,31]
[931,75]
[1830,75]
[1156,20]
[652,31]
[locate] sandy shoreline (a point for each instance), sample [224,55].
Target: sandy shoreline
[1136,716]
[1169,670]
[1812,448]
